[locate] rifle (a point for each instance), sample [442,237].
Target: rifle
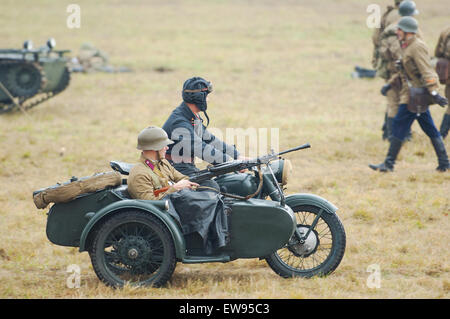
[239,165]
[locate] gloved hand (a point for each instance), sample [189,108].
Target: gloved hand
[442,101]
[385,89]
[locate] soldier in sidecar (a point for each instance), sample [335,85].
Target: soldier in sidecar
[153,178]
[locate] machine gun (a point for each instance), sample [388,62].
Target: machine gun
[239,165]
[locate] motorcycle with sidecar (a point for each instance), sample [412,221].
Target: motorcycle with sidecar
[137,242]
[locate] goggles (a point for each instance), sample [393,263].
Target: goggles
[208,88]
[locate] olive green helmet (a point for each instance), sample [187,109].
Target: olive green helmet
[408,24]
[407,8]
[152,138]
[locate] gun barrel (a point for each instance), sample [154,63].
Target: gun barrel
[301,147]
[229,167]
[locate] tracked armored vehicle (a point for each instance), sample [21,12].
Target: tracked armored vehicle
[30,76]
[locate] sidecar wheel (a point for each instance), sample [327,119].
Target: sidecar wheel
[133,247]
[319,255]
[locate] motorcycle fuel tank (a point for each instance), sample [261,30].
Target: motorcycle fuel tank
[237,183]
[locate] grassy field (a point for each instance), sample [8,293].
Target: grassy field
[274,64]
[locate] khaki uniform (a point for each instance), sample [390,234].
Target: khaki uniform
[417,67]
[418,73]
[443,51]
[143,181]
[379,64]
[389,17]
[391,51]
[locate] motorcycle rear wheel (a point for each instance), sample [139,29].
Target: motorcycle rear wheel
[321,253]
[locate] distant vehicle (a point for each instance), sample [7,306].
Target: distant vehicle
[30,76]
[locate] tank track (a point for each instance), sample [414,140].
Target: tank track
[28,102]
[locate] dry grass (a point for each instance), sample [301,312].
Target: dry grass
[282,64]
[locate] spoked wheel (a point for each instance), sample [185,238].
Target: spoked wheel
[315,249]
[133,247]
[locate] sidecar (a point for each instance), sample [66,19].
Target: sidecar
[139,242]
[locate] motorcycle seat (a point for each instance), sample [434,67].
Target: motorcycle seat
[121,167]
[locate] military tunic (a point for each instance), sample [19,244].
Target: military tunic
[390,51]
[417,72]
[389,17]
[201,212]
[143,180]
[417,65]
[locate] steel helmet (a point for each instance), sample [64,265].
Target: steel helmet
[407,8]
[408,24]
[152,138]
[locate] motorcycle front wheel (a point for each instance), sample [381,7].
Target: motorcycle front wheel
[315,249]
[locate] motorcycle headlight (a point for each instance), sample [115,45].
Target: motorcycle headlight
[286,173]
[282,170]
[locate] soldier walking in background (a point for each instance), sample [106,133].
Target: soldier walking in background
[389,51]
[390,16]
[417,76]
[442,52]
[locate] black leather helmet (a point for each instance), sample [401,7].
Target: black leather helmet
[195,91]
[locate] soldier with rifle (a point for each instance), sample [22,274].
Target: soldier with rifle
[153,177]
[419,90]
